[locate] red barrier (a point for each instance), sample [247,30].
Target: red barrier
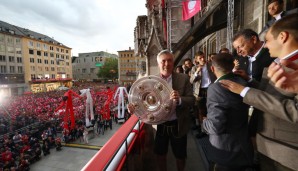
[104,156]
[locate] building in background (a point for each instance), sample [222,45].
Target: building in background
[87,65]
[31,61]
[129,66]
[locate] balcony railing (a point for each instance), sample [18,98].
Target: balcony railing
[114,153]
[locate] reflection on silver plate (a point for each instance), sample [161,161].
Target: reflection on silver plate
[151,98]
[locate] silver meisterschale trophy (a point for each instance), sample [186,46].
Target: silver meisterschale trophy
[151,98]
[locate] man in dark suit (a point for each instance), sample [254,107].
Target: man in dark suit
[227,120]
[247,44]
[174,130]
[275,10]
[277,137]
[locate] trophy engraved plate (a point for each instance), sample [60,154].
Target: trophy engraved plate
[151,98]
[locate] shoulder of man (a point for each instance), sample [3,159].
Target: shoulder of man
[292,11]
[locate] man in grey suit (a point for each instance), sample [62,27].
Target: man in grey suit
[227,120]
[175,130]
[201,77]
[277,137]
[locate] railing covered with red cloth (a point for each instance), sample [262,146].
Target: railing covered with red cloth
[113,154]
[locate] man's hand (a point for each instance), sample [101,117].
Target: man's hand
[199,68]
[286,80]
[236,64]
[232,86]
[175,96]
[242,74]
[131,108]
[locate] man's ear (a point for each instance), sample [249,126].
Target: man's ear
[283,36]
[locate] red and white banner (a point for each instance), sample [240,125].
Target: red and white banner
[190,8]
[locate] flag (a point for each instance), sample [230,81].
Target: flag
[190,8]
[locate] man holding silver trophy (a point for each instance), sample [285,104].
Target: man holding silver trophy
[173,127]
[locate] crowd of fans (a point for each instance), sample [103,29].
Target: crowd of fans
[29,125]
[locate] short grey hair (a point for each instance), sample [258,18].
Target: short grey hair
[164,52]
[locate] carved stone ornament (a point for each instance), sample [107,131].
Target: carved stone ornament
[151,98]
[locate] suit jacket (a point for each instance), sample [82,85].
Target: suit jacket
[272,21]
[180,83]
[262,61]
[197,80]
[227,125]
[277,135]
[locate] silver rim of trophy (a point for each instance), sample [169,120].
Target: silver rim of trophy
[151,98]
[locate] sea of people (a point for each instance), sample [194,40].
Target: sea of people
[30,127]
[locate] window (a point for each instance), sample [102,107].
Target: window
[31,51]
[62,56]
[1,38]
[38,53]
[45,47]
[67,63]
[2,69]
[30,44]
[67,57]
[2,48]
[11,69]
[52,68]
[62,50]
[83,70]
[46,61]
[19,60]
[9,40]
[39,61]
[11,58]
[18,41]
[46,68]
[57,49]
[45,53]
[31,60]
[18,51]
[52,62]
[39,68]
[20,69]
[2,58]
[10,49]
[32,68]
[57,56]
[92,70]
[53,75]
[38,45]
[66,51]
[51,55]
[51,48]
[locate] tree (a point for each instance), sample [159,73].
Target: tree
[109,70]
